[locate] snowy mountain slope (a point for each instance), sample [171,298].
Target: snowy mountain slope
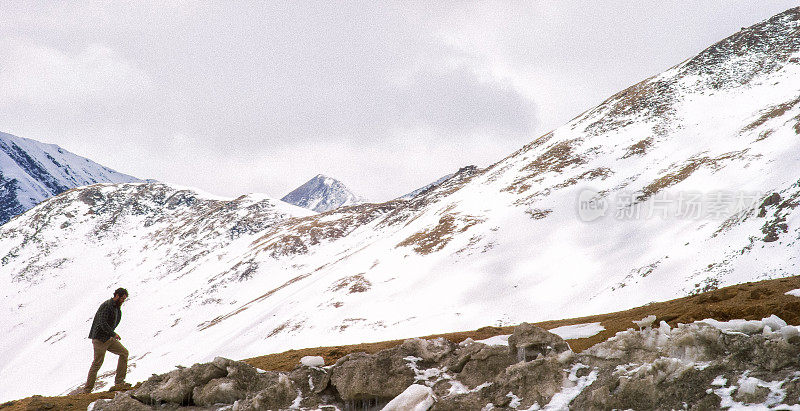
[31,171]
[321,194]
[683,182]
[426,187]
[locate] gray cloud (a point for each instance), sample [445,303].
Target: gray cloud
[260,96]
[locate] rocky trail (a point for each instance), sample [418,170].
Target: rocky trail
[675,361]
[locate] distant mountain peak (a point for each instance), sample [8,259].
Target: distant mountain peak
[322,193]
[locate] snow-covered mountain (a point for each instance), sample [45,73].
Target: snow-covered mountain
[426,187]
[322,194]
[684,182]
[31,172]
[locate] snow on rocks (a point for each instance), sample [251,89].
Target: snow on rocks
[795,292]
[703,365]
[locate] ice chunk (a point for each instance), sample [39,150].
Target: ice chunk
[312,361]
[789,332]
[736,326]
[645,322]
[415,398]
[774,322]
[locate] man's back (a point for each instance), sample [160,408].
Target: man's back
[105,321]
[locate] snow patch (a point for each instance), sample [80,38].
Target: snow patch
[312,361]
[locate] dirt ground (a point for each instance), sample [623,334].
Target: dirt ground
[751,301]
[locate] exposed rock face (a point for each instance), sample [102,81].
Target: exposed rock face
[703,365]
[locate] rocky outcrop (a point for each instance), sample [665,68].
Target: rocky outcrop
[703,365]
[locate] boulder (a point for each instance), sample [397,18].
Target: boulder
[383,375]
[481,363]
[534,381]
[278,395]
[177,386]
[219,391]
[431,351]
[122,402]
[529,341]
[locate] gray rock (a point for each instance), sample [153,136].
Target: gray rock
[312,380]
[219,391]
[529,341]
[122,402]
[383,375]
[534,381]
[279,395]
[314,383]
[470,401]
[482,363]
[431,351]
[177,386]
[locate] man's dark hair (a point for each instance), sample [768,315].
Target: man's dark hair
[120,292]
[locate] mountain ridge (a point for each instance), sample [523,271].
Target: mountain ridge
[31,171]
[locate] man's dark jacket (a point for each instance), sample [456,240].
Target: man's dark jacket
[105,321]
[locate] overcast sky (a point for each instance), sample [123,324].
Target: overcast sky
[238,97]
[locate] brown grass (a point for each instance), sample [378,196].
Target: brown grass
[639,148]
[428,241]
[354,283]
[555,159]
[685,170]
[772,112]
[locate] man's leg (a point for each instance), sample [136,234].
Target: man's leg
[122,363]
[99,355]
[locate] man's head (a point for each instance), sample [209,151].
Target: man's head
[120,295]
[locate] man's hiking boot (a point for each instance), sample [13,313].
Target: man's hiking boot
[123,386]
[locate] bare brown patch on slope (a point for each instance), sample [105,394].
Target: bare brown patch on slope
[639,148]
[434,239]
[686,170]
[772,112]
[555,159]
[354,283]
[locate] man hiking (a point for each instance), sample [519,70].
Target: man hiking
[105,339]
